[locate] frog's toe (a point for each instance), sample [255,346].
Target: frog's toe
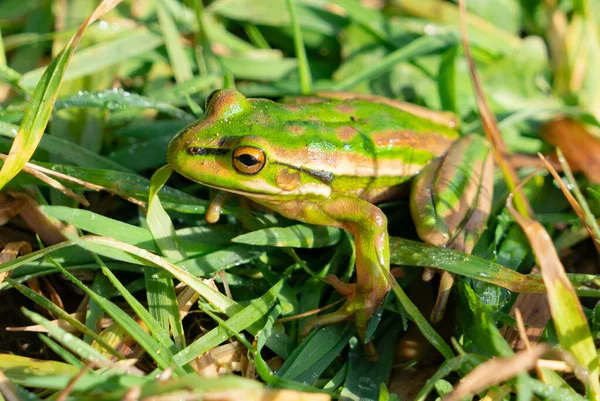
[359,306]
[446,283]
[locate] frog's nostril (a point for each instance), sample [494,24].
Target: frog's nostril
[194,150]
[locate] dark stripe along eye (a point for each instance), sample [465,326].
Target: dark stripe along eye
[248,160]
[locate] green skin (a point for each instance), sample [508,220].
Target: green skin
[324,163]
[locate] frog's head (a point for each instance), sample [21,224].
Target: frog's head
[229,148]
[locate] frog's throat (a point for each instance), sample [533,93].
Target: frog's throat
[317,191]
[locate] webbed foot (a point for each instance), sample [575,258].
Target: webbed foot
[360,306]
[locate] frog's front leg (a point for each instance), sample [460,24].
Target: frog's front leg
[367,223]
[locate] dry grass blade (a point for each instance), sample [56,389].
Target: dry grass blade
[7,389]
[570,322]
[10,252]
[40,108]
[36,171]
[37,220]
[589,223]
[490,124]
[262,395]
[497,370]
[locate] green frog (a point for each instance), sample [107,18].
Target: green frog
[325,162]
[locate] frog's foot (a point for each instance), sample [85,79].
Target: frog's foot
[360,306]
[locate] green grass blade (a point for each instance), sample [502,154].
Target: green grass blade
[39,109]
[179,60]
[72,343]
[422,46]
[296,236]
[303,67]
[237,323]
[61,314]
[160,354]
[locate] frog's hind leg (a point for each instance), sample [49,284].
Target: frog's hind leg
[367,223]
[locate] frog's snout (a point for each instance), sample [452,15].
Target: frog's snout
[176,152]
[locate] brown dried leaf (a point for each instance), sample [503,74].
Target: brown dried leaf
[535,311]
[581,149]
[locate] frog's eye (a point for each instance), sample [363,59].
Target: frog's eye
[209,98]
[248,160]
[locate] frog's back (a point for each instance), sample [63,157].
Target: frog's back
[359,147]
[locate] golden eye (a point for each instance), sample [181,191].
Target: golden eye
[248,160]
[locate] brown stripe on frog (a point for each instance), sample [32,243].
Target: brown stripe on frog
[432,142]
[294,129]
[286,180]
[291,107]
[345,134]
[346,108]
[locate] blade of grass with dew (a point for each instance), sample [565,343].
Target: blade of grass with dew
[160,290]
[161,355]
[177,56]
[61,314]
[243,319]
[40,108]
[72,343]
[119,99]
[303,67]
[295,236]
[412,253]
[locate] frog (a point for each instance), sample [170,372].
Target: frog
[324,161]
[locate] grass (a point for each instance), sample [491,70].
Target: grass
[127,282]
